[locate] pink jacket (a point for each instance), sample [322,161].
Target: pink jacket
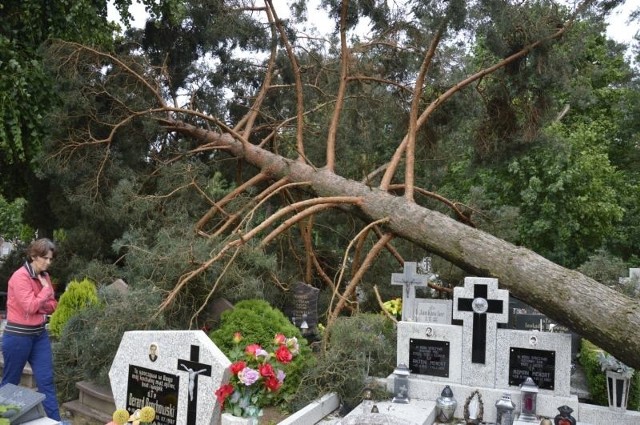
[28,302]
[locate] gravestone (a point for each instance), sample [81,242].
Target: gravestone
[544,356]
[28,402]
[633,281]
[430,350]
[305,307]
[409,280]
[481,306]
[429,310]
[526,318]
[175,372]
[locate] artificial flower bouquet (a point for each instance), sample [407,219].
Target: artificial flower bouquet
[144,416]
[256,375]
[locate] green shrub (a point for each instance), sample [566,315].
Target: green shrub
[358,348]
[91,338]
[597,381]
[77,297]
[258,323]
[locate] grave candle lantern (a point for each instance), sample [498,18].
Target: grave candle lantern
[505,408]
[529,393]
[446,406]
[401,384]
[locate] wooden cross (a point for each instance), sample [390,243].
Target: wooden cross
[194,369]
[410,279]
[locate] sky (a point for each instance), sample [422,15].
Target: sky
[618,30]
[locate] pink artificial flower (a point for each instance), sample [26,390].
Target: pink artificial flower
[248,376]
[279,339]
[251,349]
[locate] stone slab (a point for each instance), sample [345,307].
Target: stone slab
[416,412]
[432,332]
[558,343]
[314,411]
[590,413]
[420,389]
[41,421]
[176,372]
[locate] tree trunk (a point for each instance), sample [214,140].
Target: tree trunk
[605,317]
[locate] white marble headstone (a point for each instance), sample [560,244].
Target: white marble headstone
[436,348]
[175,372]
[481,306]
[545,356]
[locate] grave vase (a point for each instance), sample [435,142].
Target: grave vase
[229,419]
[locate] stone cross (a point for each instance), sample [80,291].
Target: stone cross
[194,369]
[481,306]
[410,280]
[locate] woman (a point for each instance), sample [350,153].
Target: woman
[30,299]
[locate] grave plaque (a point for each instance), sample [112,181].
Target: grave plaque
[429,357]
[540,365]
[305,305]
[433,311]
[147,387]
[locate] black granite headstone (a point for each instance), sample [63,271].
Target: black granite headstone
[524,317]
[27,401]
[305,305]
[147,387]
[429,357]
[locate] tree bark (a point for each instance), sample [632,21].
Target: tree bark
[607,318]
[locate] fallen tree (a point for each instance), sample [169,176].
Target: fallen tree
[581,303]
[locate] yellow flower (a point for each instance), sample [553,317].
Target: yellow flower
[147,414]
[120,416]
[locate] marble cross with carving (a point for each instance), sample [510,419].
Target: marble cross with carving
[410,280]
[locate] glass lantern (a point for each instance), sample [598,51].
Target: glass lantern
[446,406]
[528,394]
[401,384]
[505,408]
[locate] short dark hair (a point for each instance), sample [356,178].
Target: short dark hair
[40,248]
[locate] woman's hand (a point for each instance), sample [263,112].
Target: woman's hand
[43,281]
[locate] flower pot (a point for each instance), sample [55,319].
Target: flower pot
[617,390]
[229,419]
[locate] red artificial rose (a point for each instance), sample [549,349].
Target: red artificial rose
[272,383]
[283,354]
[266,370]
[237,367]
[223,392]
[251,349]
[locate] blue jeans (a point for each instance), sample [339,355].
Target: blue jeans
[17,350]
